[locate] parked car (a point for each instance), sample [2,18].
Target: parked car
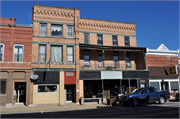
[145,95]
[177,96]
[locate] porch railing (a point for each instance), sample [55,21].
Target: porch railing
[111,66]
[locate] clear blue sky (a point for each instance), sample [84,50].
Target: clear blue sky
[156,22]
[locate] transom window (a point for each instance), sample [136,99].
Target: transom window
[126,40]
[99,39]
[43,29]
[114,40]
[86,38]
[1,52]
[47,88]
[42,53]
[69,31]
[70,54]
[56,53]
[56,30]
[18,53]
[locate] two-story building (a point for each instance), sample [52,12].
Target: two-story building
[77,57]
[15,63]
[164,68]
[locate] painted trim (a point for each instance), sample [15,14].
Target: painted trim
[54,37]
[51,43]
[54,63]
[53,22]
[51,69]
[107,33]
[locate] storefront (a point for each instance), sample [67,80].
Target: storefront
[100,85]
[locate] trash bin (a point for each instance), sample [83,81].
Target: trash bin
[82,101]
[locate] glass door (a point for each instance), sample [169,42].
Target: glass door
[69,90]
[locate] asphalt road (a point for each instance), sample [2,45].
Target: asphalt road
[167,110]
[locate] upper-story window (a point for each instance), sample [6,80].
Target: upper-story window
[70,54]
[86,38]
[116,59]
[56,30]
[18,53]
[114,39]
[43,29]
[86,58]
[100,59]
[1,52]
[126,38]
[56,53]
[99,39]
[69,31]
[42,53]
[128,60]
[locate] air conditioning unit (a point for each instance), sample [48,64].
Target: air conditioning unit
[99,65]
[128,64]
[86,63]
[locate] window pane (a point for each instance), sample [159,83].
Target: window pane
[43,30]
[151,90]
[42,53]
[99,42]
[3,87]
[70,31]
[56,30]
[86,38]
[56,54]
[86,58]
[1,48]
[174,85]
[52,88]
[69,54]
[99,39]
[126,41]
[154,84]
[1,52]
[18,53]
[115,40]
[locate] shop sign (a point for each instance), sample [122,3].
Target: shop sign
[111,74]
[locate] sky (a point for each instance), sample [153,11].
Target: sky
[156,22]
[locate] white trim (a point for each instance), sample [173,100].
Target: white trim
[22,51]
[3,51]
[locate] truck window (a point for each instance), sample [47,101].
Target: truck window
[144,91]
[151,90]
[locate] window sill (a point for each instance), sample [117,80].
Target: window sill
[101,67]
[87,66]
[128,67]
[3,94]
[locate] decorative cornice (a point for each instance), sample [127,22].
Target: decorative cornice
[54,13]
[98,25]
[53,19]
[52,22]
[51,43]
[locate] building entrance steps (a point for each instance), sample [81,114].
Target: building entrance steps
[50,108]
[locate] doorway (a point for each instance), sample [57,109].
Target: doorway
[164,86]
[20,92]
[70,93]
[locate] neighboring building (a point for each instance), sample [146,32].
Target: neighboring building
[15,62]
[78,57]
[164,68]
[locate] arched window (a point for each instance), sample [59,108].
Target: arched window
[1,52]
[18,53]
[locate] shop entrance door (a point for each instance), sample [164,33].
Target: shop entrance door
[69,93]
[164,86]
[20,92]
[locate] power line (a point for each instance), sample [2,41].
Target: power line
[156,39]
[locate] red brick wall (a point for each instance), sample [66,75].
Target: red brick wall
[16,35]
[7,21]
[161,60]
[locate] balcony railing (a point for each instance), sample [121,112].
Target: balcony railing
[111,66]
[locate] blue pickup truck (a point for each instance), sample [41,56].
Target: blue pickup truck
[145,95]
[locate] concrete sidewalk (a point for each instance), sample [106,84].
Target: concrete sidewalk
[51,108]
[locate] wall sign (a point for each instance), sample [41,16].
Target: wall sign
[111,74]
[69,74]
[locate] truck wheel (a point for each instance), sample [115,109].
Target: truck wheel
[161,100]
[135,102]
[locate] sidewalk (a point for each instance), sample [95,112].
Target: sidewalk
[50,108]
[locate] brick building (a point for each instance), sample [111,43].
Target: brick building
[15,62]
[164,68]
[77,57]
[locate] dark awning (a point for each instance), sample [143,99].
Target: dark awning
[112,48]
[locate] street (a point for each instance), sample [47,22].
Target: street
[167,110]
